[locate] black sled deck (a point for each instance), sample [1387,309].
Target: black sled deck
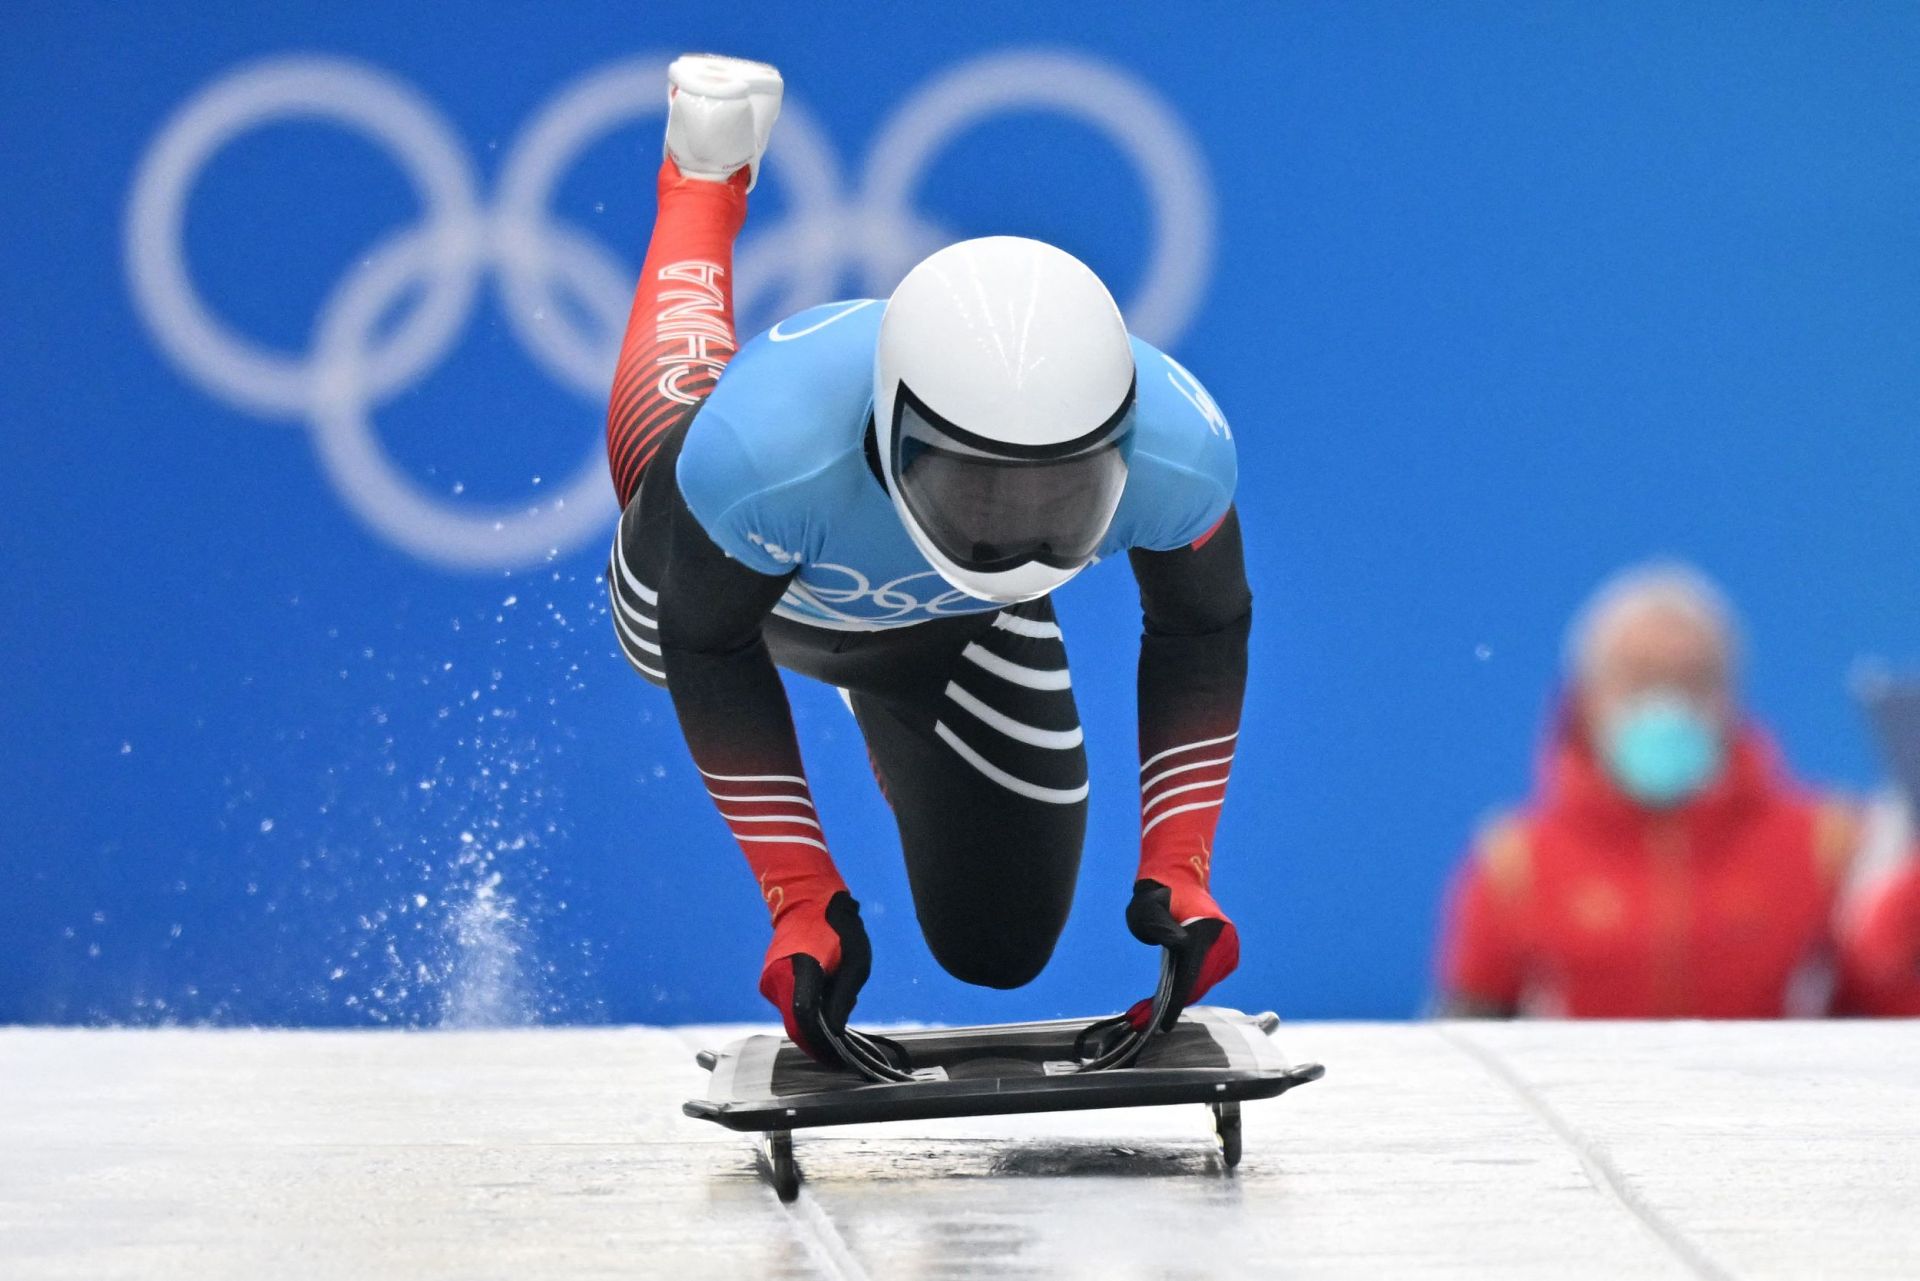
[1219,1057]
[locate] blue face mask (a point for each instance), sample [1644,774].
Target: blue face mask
[1662,749]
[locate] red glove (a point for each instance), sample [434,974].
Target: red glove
[1184,918]
[817,963]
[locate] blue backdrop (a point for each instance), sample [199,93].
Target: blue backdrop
[313,711]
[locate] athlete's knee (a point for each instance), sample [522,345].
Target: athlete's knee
[993,951]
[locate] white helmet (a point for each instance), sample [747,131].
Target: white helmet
[1003,391]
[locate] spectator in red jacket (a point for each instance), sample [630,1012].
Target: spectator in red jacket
[1881,947]
[1667,865]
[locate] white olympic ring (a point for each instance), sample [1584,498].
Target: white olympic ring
[355,363]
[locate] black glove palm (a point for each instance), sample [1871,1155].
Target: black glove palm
[1204,950]
[814,996]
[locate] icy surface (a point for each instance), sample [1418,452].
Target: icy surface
[1621,1150]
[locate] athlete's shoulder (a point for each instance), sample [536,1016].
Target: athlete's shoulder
[795,396]
[1178,421]
[1183,470]
[817,363]
[787,415]
[791,402]
[852,324]
[1502,854]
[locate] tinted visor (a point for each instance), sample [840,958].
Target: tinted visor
[990,506]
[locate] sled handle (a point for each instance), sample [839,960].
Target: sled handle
[856,1051]
[1128,1048]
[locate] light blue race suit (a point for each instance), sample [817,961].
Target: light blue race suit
[775,468]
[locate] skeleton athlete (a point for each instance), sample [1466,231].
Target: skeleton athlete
[882,495]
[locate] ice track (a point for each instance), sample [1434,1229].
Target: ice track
[1469,1150]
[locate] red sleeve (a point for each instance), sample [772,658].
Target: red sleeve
[1880,953]
[1196,613]
[1479,942]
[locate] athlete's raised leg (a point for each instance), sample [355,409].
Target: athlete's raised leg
[680,331]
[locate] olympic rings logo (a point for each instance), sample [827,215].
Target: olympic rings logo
[892,597]
[825,241]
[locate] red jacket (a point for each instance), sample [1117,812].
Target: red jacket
[1882,949]
[1586,904]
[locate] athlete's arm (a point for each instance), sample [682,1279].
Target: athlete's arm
[1197,610]
[738,725]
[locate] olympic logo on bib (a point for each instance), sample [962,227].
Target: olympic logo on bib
[356,362]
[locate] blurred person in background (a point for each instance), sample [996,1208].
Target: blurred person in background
[1880,947]
[1880,909]
[1667,866]
[1880,917]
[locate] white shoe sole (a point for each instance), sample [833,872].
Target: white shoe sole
[720,114]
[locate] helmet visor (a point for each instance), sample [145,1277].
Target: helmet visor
[990,505]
